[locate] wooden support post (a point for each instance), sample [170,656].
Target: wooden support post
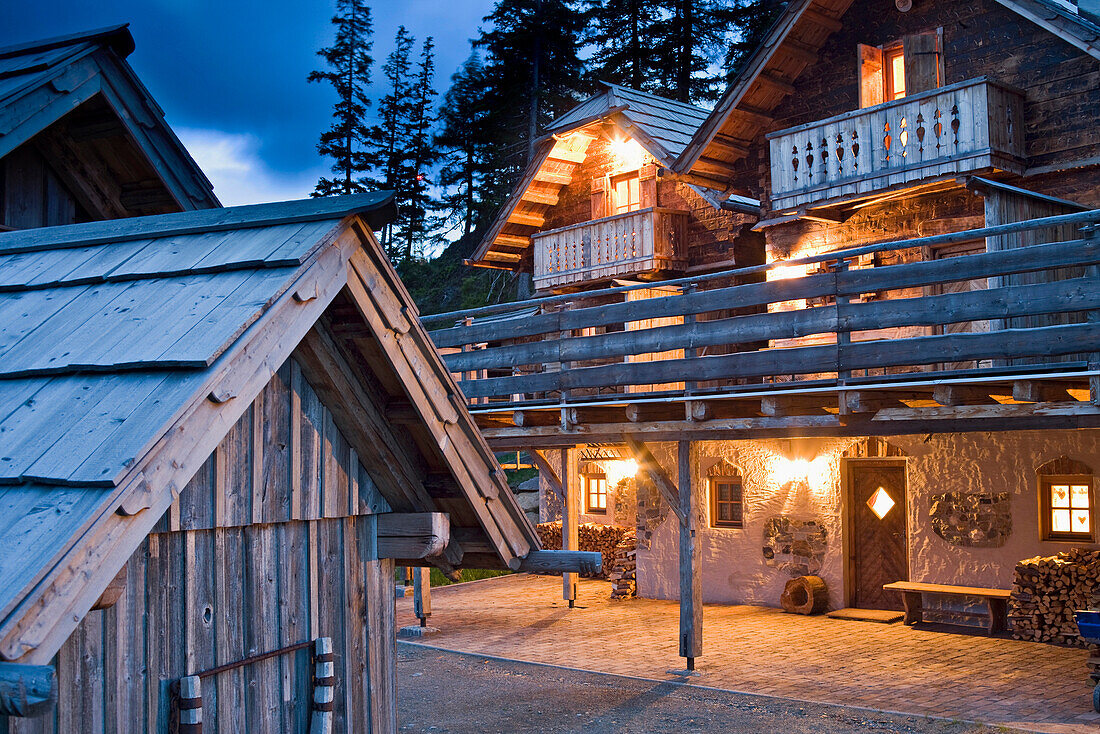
[547,472]
[189,704]
[691,583]
[843,338]
[690,353]
[1093,271]
[324,682]
[27,690]
[422,594]
[569,541]
[563,397]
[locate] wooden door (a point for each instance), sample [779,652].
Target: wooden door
[879,527]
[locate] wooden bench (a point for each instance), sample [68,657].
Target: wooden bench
[996,602]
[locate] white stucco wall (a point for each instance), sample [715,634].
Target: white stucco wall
[734,569]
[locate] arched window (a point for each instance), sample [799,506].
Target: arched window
[726,496]
[1067,501]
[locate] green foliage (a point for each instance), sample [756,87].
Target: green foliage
[348,63]
[468,574]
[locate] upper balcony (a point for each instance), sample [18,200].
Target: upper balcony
[635,244]
[969,127]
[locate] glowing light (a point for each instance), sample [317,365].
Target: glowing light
[784,470]
[786,272]
[881,503]
[619,469]
[626,154]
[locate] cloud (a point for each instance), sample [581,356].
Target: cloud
[240,175]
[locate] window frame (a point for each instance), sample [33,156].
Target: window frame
[1046,508]
[632,206]
[712,491]
[589,481]
[891,51]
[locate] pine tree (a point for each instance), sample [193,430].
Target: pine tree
[348,63]
[420,154]
[533,74]
[462,143]
[621,33]
[754,19]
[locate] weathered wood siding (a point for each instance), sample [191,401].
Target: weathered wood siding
[267,546]
[31,195]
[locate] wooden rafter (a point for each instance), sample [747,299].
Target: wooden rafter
[656,474]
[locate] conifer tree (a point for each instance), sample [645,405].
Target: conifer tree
[348,63]
[533,73]
[621,32]
[462,144]
[420,154]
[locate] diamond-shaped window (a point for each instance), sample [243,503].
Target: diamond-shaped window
[881,503]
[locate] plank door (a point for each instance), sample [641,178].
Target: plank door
[879,545]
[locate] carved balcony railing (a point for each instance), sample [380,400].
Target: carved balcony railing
[637,243]
[972,126]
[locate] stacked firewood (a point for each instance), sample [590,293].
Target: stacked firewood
[624,568]
[591,536]
[1047,591]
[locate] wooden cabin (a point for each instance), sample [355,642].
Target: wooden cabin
[81,139]
[874,361]
[221,429]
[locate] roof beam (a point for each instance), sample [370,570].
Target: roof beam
[731,144]
[539,197]
[780,85]
[512,240]
[648,463]
[566,155]
[528,219]
[827,22]
[756,116]
[562,179]
[799,51]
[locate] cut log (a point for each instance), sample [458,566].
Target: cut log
[409,535]
[560,561]
[27,690]
[805,595]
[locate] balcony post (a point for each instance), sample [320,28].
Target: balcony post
[691,582]
[563,366]
[843,338]
[569,538]
[1092,232]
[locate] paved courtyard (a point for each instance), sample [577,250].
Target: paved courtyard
[765,651]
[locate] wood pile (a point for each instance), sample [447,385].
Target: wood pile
[624,568]
[591,536]
[1046,592]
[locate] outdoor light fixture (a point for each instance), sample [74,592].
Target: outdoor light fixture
[619,469]
[627,154]
[785,470]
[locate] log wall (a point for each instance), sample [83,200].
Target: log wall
[981,38]
[267,546]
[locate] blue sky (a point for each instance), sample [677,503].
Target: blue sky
[231,76]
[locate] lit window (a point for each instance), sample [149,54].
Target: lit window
[1067,507]
[726,502]
[595,493]
[626,193]
[894,61]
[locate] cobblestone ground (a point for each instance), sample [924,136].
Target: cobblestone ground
[999,682]
[442,692]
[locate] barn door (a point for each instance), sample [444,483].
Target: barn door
[878,522]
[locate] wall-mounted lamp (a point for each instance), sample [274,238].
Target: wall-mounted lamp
[626,154]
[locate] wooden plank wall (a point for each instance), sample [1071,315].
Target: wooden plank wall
[267,546]
[31,194]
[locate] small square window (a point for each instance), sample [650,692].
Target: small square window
[1066,507]
[626,193]
[595,494]
[726,502]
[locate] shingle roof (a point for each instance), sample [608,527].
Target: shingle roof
[115,323]
[43,81]
[667,123]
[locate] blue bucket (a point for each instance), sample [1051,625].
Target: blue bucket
[1088,622]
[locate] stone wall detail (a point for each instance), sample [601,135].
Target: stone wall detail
[796,547]
[972,519]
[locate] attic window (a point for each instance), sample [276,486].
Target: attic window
[895,70]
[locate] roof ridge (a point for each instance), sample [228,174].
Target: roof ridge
[379,204]
[117,36]
[644,93]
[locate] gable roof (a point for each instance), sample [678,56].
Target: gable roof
[129,348]
[661,126]
[791,45]
[83,81]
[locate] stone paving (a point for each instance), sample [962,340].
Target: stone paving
[765,651]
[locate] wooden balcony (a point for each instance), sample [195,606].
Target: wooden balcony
[973,126]
[633,245]
[1023,352]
